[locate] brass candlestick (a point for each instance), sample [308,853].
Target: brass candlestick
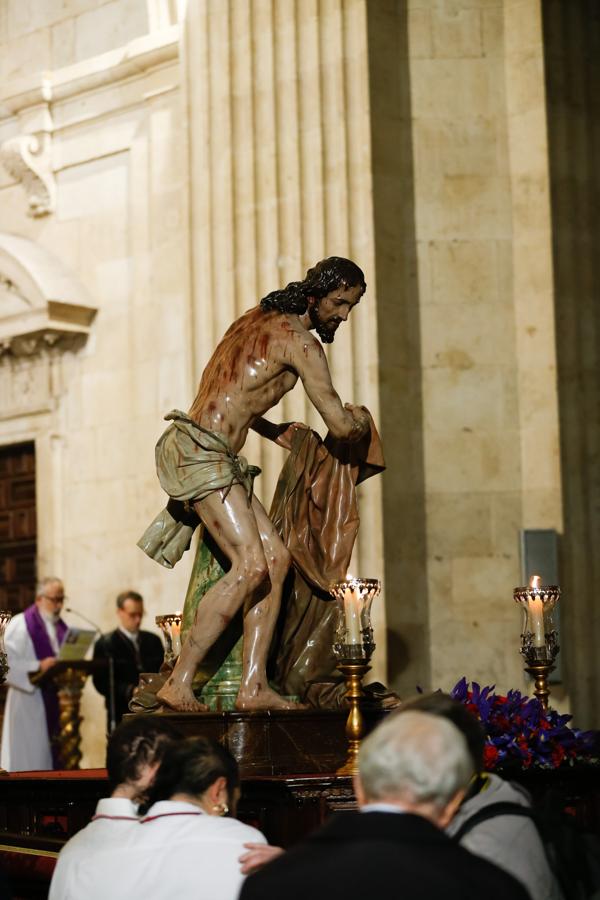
[540,672]
[69,683]
[353,647]
[354,672]
[539,639]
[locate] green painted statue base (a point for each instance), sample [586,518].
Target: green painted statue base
[217,681]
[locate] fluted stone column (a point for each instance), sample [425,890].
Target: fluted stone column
[280,176]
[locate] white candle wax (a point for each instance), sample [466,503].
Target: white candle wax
[536,613]
[176,638]
[352,613]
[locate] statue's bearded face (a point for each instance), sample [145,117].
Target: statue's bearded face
[327,314]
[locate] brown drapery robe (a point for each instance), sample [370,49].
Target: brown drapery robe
[315,511]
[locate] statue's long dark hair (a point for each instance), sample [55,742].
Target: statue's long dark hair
[326,276]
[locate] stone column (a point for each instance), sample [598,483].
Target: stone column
[572,73]
[531,264]
[280,176]
[463,266]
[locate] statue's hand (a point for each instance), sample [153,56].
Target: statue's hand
[258,856]
[362,421]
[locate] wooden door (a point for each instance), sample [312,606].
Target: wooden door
[17,526]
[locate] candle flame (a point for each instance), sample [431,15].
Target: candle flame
[536,582]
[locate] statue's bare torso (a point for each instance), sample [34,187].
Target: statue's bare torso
[258,360]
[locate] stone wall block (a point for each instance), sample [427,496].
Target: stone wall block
[460,525]
[471,461]
[530,210]
[81,450]
[496,668]
[108,26]
[541,463]
[466,335]
[506,510]
[462,400]
[455,89]
[523,26]
[464,272]
[492,30]
[525,82]
[528,144]
[16,58]
[420,43]
[62,43]
[457,33]
[455,147]
[485,590]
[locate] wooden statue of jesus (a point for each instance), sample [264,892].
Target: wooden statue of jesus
[259,359]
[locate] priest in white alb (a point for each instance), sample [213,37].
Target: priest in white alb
[33,640]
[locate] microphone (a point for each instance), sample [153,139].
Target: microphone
[111,670]
[70,609]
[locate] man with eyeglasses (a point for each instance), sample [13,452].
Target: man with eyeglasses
[33,640]
[131,650]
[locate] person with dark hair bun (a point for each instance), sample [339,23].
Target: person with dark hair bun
[186,845]
[134,753]
[259,359]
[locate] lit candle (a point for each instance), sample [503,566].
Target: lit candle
[536,612]
[176,637]
[352,613]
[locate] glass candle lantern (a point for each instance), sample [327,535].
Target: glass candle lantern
[354,632]
[170,625]
[5,617]
[539,639]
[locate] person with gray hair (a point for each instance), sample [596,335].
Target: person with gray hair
[493,820]
[33,640]
[413,773]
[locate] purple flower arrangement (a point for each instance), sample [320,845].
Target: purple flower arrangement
[520,731]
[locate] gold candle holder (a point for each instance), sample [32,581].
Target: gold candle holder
[170,625]
[5,617]
[353,648]
[354,672]
[539,638]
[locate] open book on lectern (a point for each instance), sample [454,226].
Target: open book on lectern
[76,644]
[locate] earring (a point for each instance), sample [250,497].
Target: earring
[221,808]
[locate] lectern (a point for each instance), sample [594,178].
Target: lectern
[68,676]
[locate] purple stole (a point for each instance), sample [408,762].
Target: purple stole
[43,648]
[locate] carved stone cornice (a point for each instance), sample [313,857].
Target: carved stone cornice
[27,159]
[44,308]
[41,342]
[58,326]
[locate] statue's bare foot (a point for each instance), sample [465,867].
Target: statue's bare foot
[264,699]
[179,697]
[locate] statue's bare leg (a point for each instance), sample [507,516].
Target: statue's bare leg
[232,525]
[259,623]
